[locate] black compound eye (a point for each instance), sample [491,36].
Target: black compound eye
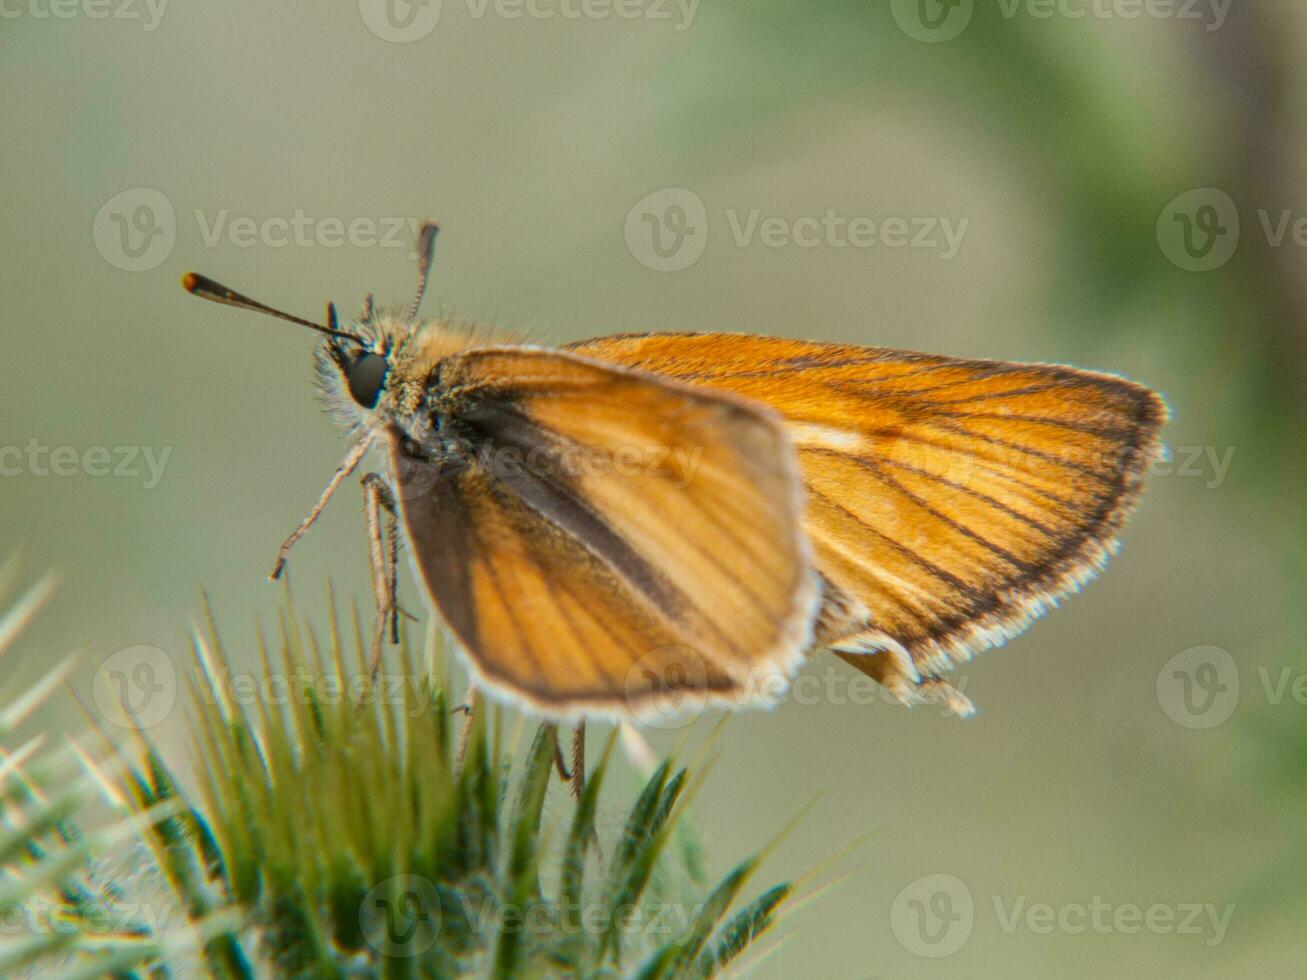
[365,376]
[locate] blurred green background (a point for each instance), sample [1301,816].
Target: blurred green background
[1065,148]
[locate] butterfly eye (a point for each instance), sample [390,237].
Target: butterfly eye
[365,376]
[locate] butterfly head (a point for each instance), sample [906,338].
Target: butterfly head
[366,366]
[363,375]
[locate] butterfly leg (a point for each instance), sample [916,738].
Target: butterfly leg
[941,691]
[844,627]
[348,465]
[383,551]
[575,775]
[578,759]
[560,764]
[890,666]
[469,707]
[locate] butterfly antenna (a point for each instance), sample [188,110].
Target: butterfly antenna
[216,292]
[426,248]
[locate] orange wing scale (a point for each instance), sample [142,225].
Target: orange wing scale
[606,538]
[949,501]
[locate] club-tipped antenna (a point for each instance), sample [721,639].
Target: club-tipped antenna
[206,288]
[426,249]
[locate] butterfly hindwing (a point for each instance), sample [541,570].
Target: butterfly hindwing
[949,501]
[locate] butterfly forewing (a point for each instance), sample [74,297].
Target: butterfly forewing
[948,500]
[600,535]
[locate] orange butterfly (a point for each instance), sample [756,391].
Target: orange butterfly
[639,516]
